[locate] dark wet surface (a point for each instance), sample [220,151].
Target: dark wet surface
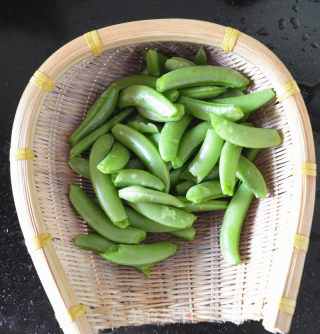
[31,30]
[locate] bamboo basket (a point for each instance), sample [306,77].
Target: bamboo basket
[88,293]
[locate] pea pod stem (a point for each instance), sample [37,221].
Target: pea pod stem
[204,192]
[80,166]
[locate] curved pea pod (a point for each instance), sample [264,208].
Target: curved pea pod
[157,118]
[172,94]
[204,192]
[116,160]
[228,164]
[213,205]
[249,174]
[133,80]
[98,114]
[184,186]
[177,62]
[232,224]
[137,194]
[189,143]
[145,150]
[165,215]
[200,76]
[105,191]
[87,141]
[245,136]
[203,109]
[200,57]
[170,137]
[148,98]
[232,92]
[99,222]
[185,234]
[135,164]
[135,255]
[142,125]
[155,62]
[93,242]
[80,166]
[202,92]
[207,156]
[137,177]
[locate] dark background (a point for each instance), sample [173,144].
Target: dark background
[30,31]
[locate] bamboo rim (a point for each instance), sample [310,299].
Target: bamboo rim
[50,271]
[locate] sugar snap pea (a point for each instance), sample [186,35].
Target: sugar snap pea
[189,143]
[133,80]
[93,242]
[165,215]
[99,222]
[248,173]
[157,118]
[142,124]
[232,92]
[250,153]
[80,166]
[87,141]
[200,57]
[135,255]
[148,98]
[116,159]
[135,164]
[203,109]
[185,234]
[204,192]
[228,164]
[213,205]
[99,113]
[172,95]
[105,191]
[137,177]
[145,150]
[155,62]
[170,137]
[137,194]
[202,92]
[243,135]
[199,76]
[207,156]
[182,187]
[177,62]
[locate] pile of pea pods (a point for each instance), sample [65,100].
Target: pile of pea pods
[166,143]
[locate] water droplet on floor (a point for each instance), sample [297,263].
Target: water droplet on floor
[282,24]
[295,22]
[305,36]
[314,45]
[295,8]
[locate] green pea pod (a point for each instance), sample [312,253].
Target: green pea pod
[157,118]
[80,166]
[189,143]
[172,95]
[155,62]
[213,205]
[200,57]
[228,164]
[165,215]
[145,150]
[137,177]
[249,174]
[87,141]
[175,176]
[245,136]
[200,76]
[148,98]
[117,159]
[250,153]
[98,244]
[135,255]
[133,80]
[207,156]
[203,109]
[155,138]
[135,164]
[202,92]
[183,187]
[99,222]
[99,113]
[232,224]
[232,92]
[105,191]
[186,234]
[177,62]
[170,137]
[137,194]
[205,191]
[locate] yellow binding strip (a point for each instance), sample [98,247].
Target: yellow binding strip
[38,242]
[289,89]
[229,39]
[306,169]
[70,315]
[301,242]
[287,305]
[42,81]
[94,42]
[21,154]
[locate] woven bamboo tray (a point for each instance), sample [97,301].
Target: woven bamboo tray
[88,293]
